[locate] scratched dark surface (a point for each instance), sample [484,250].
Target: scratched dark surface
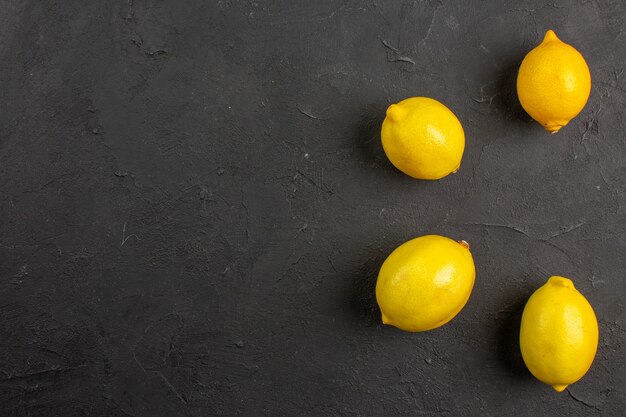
[195,204]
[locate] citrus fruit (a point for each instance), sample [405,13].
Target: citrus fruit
[423,138]
[559,334]
[553,83]
[425,282]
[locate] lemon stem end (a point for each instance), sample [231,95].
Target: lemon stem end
[561,282]
[553,128]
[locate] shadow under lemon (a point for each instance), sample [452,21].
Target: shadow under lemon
[507,327]
[364,291]
[367,139]
[506,101]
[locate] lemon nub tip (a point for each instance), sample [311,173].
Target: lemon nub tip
[385,319]
[561,282]
[465,244]
[396,112]
[559,388]
[550,36]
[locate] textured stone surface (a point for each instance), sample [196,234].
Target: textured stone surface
[194,205]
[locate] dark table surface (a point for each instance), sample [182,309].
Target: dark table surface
[195,205]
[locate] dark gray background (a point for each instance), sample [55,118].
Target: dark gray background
[195,205]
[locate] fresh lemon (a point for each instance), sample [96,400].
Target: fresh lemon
[423,138]
[425,282]
[553,83]
[559,334]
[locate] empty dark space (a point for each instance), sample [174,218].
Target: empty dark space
[195,204]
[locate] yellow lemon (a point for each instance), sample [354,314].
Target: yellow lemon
[425,282]
[423,138]
[553,83]
[559,334]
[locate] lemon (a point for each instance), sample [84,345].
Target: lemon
[553,83]
[425,282]
[423,138]
[559,334]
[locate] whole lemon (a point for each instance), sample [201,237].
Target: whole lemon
[423,138]
[559,334]
[425,282]
[553,83]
